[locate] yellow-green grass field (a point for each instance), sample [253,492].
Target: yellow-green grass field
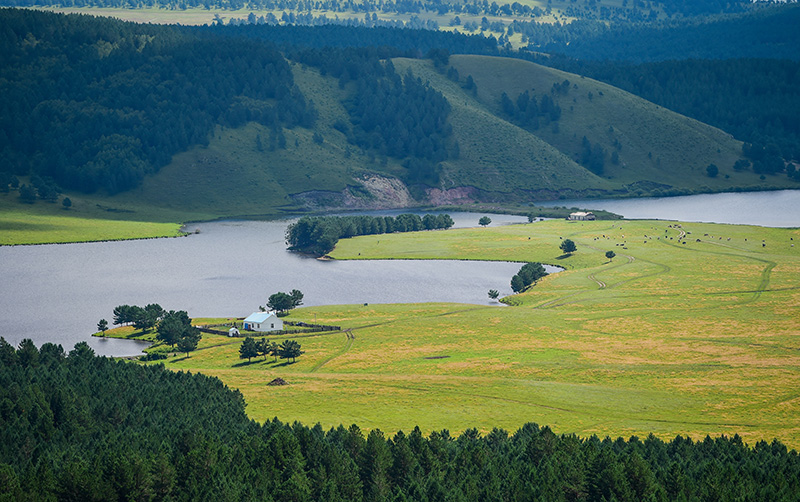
[672,336]
[90,218]
[21,227]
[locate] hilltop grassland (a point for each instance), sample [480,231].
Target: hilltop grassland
[672,336]
[652,144]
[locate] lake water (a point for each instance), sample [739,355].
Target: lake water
[768,209]
[58,293]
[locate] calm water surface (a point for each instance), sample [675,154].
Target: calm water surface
[57,293]
[767,209]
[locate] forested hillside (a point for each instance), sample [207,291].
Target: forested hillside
[756,100]
[263,119]
[760,33]
[96,103]
[79,427]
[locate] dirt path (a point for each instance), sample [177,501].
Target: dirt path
[344,350]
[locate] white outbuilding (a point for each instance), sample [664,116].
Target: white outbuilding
[263,321]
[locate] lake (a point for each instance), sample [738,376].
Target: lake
[57,293]
[767,209]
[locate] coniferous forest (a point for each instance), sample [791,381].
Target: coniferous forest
[74,426]
[110,102]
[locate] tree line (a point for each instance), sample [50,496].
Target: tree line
[527,276]
[527,110]
[173,328]
[319,234]
[74,426]
[639,10]
[289,349]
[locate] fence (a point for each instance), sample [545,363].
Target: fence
[314,328]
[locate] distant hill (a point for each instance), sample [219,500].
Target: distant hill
[658,152]
[207,123]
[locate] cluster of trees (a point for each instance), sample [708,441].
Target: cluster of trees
[97,103]
[281,302]
[637,11]
[527,276]
[173,328]
[79,427]
[143,318]
[8,182]
[391,115]
[289,349]
[319,234]
[309,19]
[593,156]
[44,188]
[526,111]
[402,118]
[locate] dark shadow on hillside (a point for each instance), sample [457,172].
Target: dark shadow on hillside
[246,363]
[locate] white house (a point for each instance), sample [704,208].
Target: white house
[263,321]
[581,216]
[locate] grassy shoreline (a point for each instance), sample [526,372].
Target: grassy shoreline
[691,329]
[19,228]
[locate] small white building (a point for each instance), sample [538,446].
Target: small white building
[581,216]
[233,331]
[263,321]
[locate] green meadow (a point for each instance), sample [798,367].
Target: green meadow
[20,227]
[691,329]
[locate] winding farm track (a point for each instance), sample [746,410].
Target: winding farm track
[349,342]
[344,350]
[763,284]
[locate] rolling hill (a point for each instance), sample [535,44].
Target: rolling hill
[178,124]
[659,152]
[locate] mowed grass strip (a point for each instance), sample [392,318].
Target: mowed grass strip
[694,330]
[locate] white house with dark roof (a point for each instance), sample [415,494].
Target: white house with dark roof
[263,321]
[582,216]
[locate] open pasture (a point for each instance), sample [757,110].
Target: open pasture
[691,329]
[23,227]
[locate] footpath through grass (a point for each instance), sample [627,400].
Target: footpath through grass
[691,329]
